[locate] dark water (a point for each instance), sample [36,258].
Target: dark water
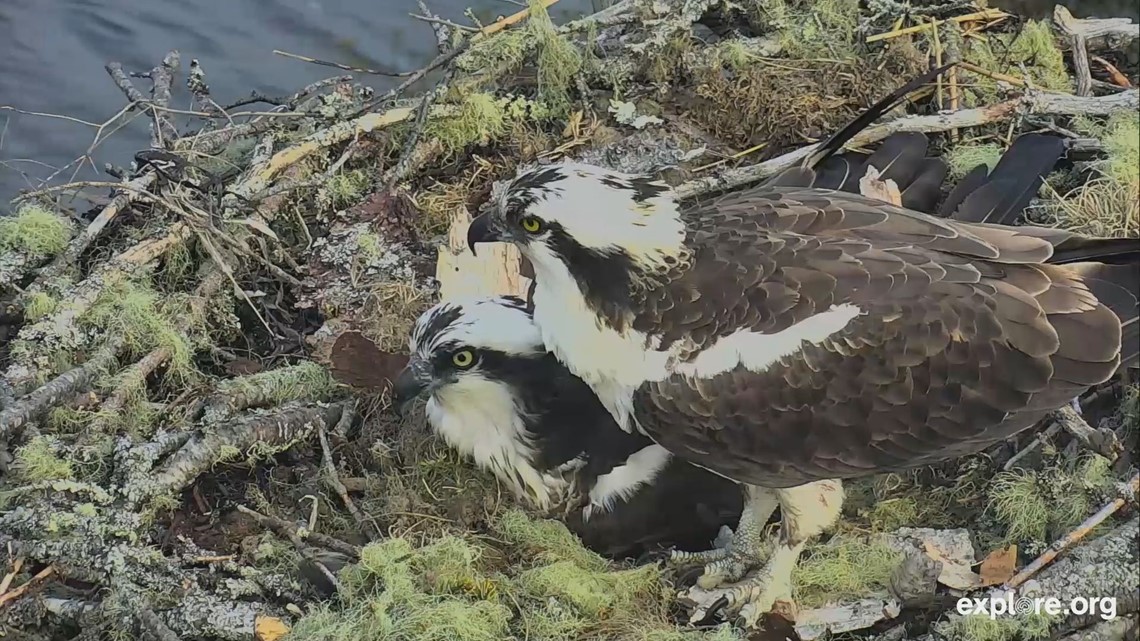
[52,54]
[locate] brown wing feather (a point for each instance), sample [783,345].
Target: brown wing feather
[967,337]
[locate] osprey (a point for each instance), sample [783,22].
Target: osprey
[789,337]
[497,396]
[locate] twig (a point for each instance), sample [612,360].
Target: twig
[436,21]
[1119,79]
[442,35]
[987,14]
[1122,29]
[404,165]
[1032,102]
[8,578]
[334,480]
[154,625]
[326,63]
[1072,538]
[994,75]
[262,174]
[289,531]
[19,592]
[1034,444]
[436,63]
[281,526]
[124,83]
[83,240]
[512,19]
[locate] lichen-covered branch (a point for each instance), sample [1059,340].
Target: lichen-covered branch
[66,385]
[272,430]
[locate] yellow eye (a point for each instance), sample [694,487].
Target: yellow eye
[531,224]
[463,358]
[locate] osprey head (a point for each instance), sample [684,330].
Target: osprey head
[457,345]
[576,216]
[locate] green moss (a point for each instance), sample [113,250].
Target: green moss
[546,540]
[1122,143]
[304,381]
[402,593]
[559,61]
[505,52]
[963,158]
[979,627]
[34,232]
[891,514]
[595,594]
[1040,506]
[1106,205]
[1033,47]
[809,29]
[140,315]
[345,189]
[38,460]
[38,305]
[847,566]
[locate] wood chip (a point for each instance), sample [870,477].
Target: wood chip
[955,573]
[494,272]
[999,566]
[269,628]
[871,186]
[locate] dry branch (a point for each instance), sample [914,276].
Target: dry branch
[1031,103]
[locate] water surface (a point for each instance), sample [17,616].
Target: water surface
[52,54]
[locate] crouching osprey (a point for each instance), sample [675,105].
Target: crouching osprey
[497,395]
[788,337]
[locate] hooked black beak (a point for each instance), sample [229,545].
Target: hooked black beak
[411,382]
[480,231]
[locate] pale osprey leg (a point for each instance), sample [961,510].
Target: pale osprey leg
[805,512]
[733,561]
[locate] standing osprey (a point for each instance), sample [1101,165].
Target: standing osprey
[788,337]
[496,395]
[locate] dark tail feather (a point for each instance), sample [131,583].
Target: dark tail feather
[969,183]
[925,189]
[1007,190]
[804,174]
[1110,251]
[1117,286]
[834,172]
